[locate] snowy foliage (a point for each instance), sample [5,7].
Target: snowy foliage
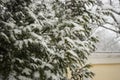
[40,39]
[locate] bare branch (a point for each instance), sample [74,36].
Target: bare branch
[110,2]
[116,31]
[110,29]
[115,11]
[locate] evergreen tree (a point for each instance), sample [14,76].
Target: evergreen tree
[41,39]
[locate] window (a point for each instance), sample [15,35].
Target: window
[108,47]
[109,41]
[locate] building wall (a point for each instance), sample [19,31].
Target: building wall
[105,66]
[106,71]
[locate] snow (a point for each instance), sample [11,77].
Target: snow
[4,36]
[17,31]
[24,78]
[36,36]
[19,60]
[9,25]
[27,29]
[27,71]
[36,74]
[47,65]
[19,43]
[32,15]
[72,53]
[50,74]
[77,26]
[70,41]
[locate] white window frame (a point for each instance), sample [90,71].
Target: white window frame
[104,58]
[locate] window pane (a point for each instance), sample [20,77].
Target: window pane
[109,41]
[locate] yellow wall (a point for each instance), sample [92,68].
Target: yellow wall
[106,71]
[105,66]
